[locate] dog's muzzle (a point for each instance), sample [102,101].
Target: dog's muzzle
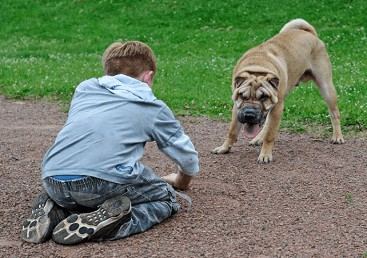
[250,115]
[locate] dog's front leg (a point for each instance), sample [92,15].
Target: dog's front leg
[270,133]
[258,140]
[233,132]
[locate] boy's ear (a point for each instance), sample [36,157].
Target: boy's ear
[148,77]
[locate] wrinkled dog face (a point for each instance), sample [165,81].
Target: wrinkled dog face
[254,96]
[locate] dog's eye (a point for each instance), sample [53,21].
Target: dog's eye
[264,97]
[243,97]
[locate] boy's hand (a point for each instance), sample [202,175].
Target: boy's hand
[178,180]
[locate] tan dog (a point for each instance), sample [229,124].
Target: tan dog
[264,76]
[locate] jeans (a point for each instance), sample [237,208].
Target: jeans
[152,199]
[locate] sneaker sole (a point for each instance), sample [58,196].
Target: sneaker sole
[77,228]
[36,228]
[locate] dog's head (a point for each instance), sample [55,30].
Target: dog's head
[254,96]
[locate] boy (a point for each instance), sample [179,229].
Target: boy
[96,187]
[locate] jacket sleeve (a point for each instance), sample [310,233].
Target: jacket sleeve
[173,142]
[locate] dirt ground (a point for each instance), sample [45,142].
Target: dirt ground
[311,202]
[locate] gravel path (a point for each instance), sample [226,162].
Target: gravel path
[311,202]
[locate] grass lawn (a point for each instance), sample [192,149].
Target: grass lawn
[48,47]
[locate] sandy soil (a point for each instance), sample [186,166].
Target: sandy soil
[311,202]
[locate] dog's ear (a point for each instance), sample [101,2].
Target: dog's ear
[238,81]
[274,82]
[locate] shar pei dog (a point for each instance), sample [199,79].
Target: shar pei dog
[265,75]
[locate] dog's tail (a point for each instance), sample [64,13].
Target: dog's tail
[299,24]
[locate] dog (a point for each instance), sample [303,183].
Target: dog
[263,77]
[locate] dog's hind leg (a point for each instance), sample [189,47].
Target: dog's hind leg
[322,76]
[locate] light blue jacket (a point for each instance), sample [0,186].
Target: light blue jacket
[109,121]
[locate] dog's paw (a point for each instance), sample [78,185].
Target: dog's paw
[221,150]
[256,142]
[337,140]
[265,159]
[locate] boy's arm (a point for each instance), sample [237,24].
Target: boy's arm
[184,154]
[174,143]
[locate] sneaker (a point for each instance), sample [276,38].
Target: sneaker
[46,214]
[76,228]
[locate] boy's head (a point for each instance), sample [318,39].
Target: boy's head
[131,58]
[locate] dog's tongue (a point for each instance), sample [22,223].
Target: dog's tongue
[251,130]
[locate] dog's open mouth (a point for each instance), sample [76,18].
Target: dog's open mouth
[251,130]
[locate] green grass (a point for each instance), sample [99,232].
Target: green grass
[349,199]
[48,47]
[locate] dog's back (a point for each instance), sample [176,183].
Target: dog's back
[293,44]
[299,24]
